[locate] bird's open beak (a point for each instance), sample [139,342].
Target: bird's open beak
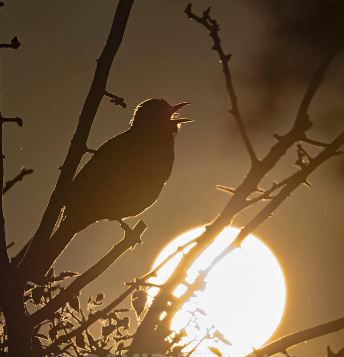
[180,120]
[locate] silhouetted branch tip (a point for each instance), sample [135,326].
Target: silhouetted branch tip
[10,245]
[10,183]
[16,120]
[115,99]
[134,234]
[213,27]
[2,3]
[15,44]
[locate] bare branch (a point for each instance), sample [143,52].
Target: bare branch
[213,27]
[293,182]
[237,203]
[78,143]
[130,239]
[10,183]
[282,344]
[15,44]
[115,99]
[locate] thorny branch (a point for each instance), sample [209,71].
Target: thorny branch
[14,44]
[213,27]
[282,344]
[240,197]
[10,183]
[78,143]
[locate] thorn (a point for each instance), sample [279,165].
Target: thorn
[16,120]
[115,99]
[91,151]
[307,183]
[188,10]
[15,44]
[206,12]
[10,245]
[277,136]
[225,189]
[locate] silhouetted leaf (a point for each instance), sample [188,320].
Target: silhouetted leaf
[53,333]
[120,347]
[80,341]
[74,303]
[139,301]
[37,294]
[99,298]
[107,330]
[36,346]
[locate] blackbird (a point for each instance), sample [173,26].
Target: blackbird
[124,176]
[127,173]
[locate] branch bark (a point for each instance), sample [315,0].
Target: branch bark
[282,344]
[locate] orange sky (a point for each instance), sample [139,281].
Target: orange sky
[166,56]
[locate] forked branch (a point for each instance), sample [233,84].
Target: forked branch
[282,344]
[10,183]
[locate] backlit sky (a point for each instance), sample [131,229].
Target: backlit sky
[164,55]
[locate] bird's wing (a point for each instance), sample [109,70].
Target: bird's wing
[108,162]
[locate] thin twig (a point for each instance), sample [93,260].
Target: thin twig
[282,344]
[16,120]
[213,27]
[14,44]
[115,99]
[10,183]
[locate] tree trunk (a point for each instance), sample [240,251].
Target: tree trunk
[19,333]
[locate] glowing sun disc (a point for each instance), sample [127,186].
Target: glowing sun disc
[245,293]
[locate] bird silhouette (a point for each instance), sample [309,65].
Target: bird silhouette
[125,175]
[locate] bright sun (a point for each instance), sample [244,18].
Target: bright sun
[243,300]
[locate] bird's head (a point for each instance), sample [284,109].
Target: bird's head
[158,114]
